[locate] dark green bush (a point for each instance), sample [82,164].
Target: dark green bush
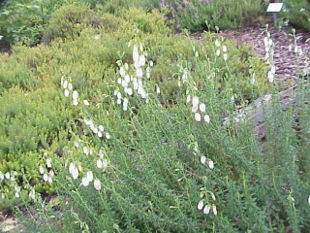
[298,13]
[118,7]
[24,21]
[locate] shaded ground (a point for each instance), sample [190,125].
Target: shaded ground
[4,47]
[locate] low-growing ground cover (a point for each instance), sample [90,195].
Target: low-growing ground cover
[133,129]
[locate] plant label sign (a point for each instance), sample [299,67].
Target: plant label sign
[274,7]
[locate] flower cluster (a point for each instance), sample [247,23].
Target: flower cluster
[17,191]
[101,162]
[74,170]
[66,84]
[220,47]
[297,49]
[204,160]
[12,180]
[133,83]
[198,108]
[32,194]
[98,130]
[88,178]
[10,177]
[47,171]
[269,49]
[207,208]
[184,77]
[204,193]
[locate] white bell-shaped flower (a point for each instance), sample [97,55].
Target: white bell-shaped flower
[207,209]
[203,159]
[75,95]
[90,175]
[200,205]
[97,184]
[197,117]
[202,107]
[85,181]
[207,119]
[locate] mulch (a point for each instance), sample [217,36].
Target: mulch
[287,62]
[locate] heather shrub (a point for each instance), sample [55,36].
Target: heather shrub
[34,126]
[201,14]
[30,121]
[20,175]
[69,20]
[118,7]
[13,73]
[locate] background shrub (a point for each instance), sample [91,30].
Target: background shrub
[24,21]
[298,13]
[69,21]
[193,14]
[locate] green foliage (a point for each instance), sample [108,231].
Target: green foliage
[151,158]
[30,121]
[23,21]
[154,178]
[94,54]
[118,7]
[198,14]
[69,21]
[298,13]
[23,168]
